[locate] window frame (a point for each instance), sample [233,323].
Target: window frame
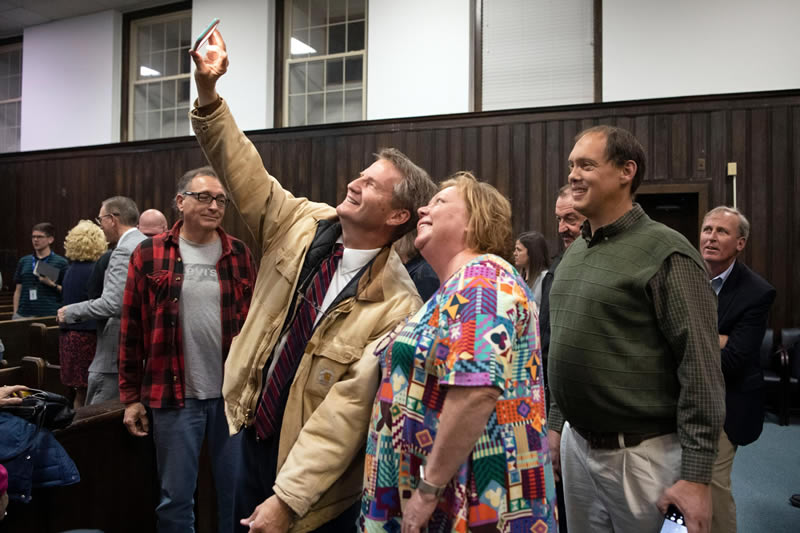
[126,111]
[11,45]
[285,61]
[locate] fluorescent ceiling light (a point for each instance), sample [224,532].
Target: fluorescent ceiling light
[147,71]
[299,47]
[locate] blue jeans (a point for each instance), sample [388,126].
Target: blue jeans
[178,436]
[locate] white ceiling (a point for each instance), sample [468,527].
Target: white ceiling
[16,15]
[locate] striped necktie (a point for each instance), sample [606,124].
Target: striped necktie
[268,412]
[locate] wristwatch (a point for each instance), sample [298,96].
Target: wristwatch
[428,488]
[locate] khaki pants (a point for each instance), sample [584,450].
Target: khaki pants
[617,490]
[723,519]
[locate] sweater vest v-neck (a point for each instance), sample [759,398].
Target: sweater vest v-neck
[610,367]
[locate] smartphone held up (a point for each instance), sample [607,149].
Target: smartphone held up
[203,37]
[674,521]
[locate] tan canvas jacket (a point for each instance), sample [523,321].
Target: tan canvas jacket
[323,436]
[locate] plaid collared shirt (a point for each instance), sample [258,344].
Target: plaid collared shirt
[151,364]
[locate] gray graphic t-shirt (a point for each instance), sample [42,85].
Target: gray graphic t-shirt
[201,323]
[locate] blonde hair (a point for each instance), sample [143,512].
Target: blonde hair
[489,226]
[85,242]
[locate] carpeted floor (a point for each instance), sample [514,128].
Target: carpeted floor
[765,474]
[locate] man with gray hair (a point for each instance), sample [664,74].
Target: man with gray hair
[301,379]
[744,300]
[118,217]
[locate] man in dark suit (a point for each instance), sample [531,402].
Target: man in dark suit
[742,309]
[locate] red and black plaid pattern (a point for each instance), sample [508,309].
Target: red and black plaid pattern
[151,364]
[268,414]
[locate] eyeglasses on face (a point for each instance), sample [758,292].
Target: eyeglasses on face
[206,198]
[99,219]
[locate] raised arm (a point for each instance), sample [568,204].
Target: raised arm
[265,206]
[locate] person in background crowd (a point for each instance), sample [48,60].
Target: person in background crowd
[38,295]
[532,261]
[462,389]
[423,276]
[569,224]
[744,300]
[186,297]
[301,379]
[637,394]
[84,244]
[152,222]
[117,218]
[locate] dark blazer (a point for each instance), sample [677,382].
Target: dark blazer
[742,310]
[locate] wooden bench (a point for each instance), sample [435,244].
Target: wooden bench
[16,337]
[29,372]
[43,342]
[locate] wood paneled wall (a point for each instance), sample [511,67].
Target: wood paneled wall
[522,152]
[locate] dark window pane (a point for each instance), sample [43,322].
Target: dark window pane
[316,76]
[154,95]
[153,124]
[353,71]
[338,10]
[297,110]
[318,13]
[139,126]
[316,109]
[14,64]
[352,105]
[334,78]
[3,88]
[333,106]
[297,78]
[173,34]
[14,86]
[156,37]
[318,38]
[336,36]
[183,93]
[355,36]
[186,32]
[140,99]
[168,93]
[300,14]
[182,126]
[172,64]
[168,123]
[143,38]
[185,59]
[356,9]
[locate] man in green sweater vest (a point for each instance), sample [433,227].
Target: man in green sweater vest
[637,391]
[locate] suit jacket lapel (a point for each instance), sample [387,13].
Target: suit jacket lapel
[728,293]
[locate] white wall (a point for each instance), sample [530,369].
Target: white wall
[249,32]
[418,58]
[71,72]
[657,48]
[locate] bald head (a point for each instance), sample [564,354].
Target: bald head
[152,222]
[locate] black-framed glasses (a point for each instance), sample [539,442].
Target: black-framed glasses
[206,198]
[99,219]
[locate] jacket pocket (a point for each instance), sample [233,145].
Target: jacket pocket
[330,367]
[158,287]
[287,264]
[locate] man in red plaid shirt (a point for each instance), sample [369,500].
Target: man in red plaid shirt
[186,297]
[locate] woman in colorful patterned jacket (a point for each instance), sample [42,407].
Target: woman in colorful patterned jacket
[457,439]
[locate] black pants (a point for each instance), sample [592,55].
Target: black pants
[255,477]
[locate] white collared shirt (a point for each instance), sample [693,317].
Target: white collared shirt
[723,277]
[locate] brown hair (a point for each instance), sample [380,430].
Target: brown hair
[489,227]
[538,255]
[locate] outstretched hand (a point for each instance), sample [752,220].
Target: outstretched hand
[209,68]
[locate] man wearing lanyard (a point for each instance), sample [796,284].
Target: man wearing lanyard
[38,295]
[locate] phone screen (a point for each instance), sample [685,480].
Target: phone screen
[203,37]
[673,521]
